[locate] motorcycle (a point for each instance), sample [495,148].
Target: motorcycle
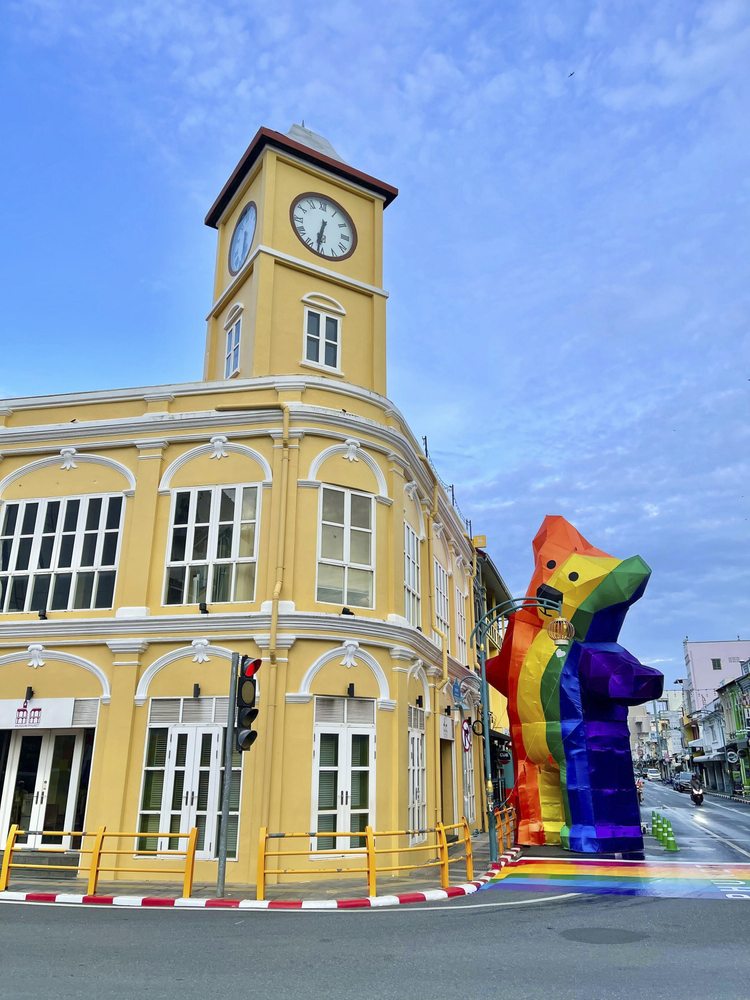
[696,796]
[639,786]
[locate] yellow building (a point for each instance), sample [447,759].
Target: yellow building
[280,508]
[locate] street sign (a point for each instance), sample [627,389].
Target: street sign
[732,756]
[457,691]
[466,735]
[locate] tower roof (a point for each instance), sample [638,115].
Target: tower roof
[306,145]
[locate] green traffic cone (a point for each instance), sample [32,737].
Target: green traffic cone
[656,828]
[671,844]
[663,831]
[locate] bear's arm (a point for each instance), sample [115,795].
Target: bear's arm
[607,670]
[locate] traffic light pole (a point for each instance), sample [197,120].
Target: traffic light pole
[227,786]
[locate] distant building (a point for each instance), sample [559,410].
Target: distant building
[709,665]
[735,703]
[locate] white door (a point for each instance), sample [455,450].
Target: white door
[41,785]
[343,793]
[181,789]
[417,791]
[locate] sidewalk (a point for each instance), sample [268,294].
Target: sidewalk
[730,798]
[347,887]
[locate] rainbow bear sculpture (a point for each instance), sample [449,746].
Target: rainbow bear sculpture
[568,706]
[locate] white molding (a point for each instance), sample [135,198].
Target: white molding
[412,489]
[212,449]
[127,645]
[341,651]
[134,612]
[321,301]
[141,693]
[60,657]
[234,312]
[417,670]
[262,640]
[70,457]
[349,448]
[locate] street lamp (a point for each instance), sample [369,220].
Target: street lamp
[478,638]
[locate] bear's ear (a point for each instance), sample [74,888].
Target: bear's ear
[553,543]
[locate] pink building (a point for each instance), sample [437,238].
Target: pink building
[709,665]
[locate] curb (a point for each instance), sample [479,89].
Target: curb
[729,798]
[428,896]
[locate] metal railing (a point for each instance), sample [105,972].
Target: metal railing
[368,854]
[98,849]
[506,825]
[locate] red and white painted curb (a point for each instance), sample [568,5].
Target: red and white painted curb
[429,896]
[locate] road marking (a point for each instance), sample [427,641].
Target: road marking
[724,840]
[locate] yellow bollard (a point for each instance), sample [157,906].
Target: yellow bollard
[10,844]
[445,875]
[187,884]
[469,855]
[260,889]
[96,852]
[371,870]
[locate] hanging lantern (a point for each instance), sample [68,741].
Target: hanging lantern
[561,631]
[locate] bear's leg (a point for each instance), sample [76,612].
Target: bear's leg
[530,827]
[550,796]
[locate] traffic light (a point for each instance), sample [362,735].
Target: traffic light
[247,713]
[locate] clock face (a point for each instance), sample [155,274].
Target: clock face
[242,237]
[323,226]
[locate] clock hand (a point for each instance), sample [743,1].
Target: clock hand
[320,233]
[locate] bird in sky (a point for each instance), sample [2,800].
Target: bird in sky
[571,74]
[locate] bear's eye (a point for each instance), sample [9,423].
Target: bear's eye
[573,576]
[551,564]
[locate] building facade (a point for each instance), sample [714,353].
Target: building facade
[709,665]
[280,508]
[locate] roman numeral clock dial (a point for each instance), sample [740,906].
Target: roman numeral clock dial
[323,226]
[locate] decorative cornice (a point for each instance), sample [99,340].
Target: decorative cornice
[127,645]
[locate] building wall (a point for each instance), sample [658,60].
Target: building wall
[702,677]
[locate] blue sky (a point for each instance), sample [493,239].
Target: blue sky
[567,259]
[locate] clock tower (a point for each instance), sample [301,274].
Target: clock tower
[299,265]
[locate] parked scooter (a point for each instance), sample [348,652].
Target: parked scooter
[696,796]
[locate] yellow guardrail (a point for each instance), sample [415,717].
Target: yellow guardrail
[368,854]
[98,849]
[506,825]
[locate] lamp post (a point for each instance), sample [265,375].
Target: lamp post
[560,630]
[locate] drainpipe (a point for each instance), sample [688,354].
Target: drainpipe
[280,545]
[433,620]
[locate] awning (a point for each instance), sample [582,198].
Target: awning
[708,757]
[696,743]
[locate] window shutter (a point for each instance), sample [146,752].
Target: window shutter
[85,711]
[329,710]
[360,711]
[221,709]
[164,710]
[198,710]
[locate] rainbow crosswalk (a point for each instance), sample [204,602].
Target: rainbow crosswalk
[677,880]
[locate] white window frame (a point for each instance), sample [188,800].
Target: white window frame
[233,346]
[416,774]
[345,731]
[212,561]
[469,782]
[189,806]
[442,605]
[412,577]
[461,648]
[11,544]
[323,315]
[346,562]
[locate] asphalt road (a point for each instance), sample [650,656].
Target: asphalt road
[716,832]
[588,947]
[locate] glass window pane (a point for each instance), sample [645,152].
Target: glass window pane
[179,539]
[361,511]
[200,542]
[329,750]
[249,500]
[222,583]
[71,515]
[24,551]
[113,512]
[237,328]
[332,542]
[223,541]
[236,359]
[5,546]
[332,328]
[50,516]
[181,508]
[93,513]
[203,785]
[177,788]
[205,756]
[203,507]
[313,347]
[326,822]
[245,584]
[226,505]
[66,550]
[153,786]
[156,754]
[109,549]
[11,516]
[105,590]
[175,585]
[330,584]
[149,823]
[228,366]
[359,588]
[40,592]
[17,595]
[61,592]
[331,354]
[333,506]
[45,552]
[247,541]
[84,590]
[197,585]
[360,547]
[313,324]
[88,550]
[181,750]
[231,835]
[360,751]
[29,518]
